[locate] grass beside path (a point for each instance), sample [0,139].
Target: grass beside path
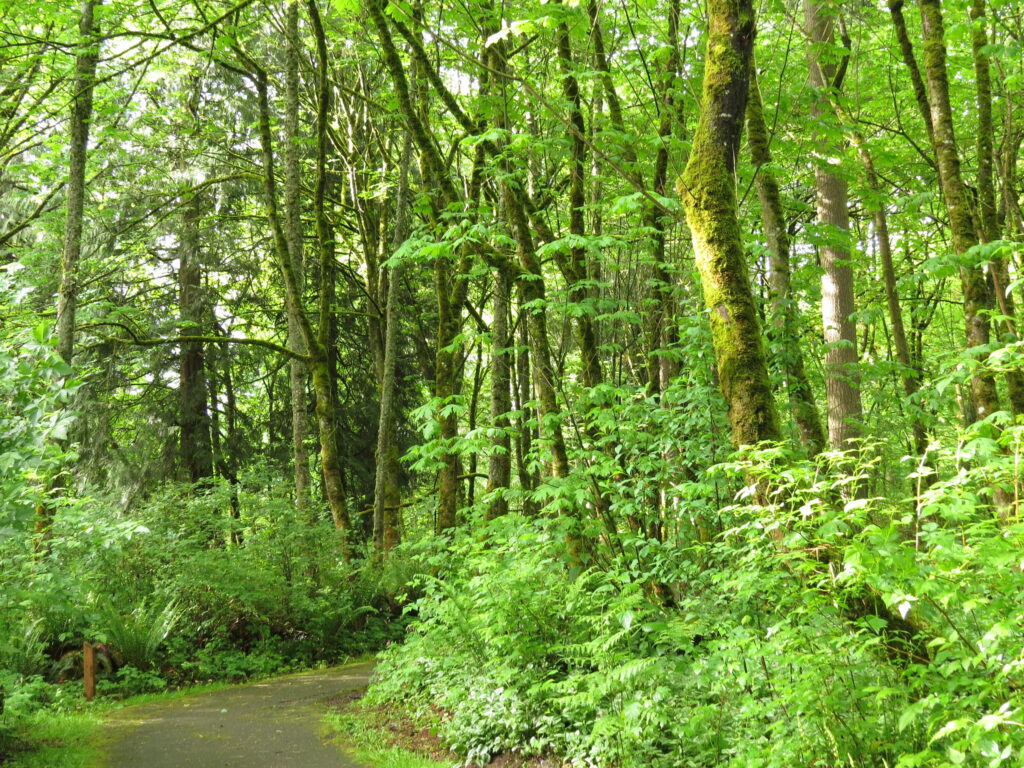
[358,731]
[70,739]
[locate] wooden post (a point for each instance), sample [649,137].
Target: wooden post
[89,670]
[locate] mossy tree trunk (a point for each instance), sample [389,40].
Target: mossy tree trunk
[575,269]
[977,296]
[910,61]
[499,464]
[387,494]
[81,116]
[532,291]
[707,189]
[450,281]
[988,211]
[661,322]
[83,84]
[316,338]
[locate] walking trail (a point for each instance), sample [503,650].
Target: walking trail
[272,724]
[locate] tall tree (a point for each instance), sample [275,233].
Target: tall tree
[784,313]
[842,375]
[86,60]
[387,496]
[988,212]
[297,373]
[977,295]
[196,448]
[707,189]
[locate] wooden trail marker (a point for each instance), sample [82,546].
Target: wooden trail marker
[89,670]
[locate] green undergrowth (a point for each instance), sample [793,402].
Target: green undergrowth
[49,739]
[811,622]
[359,731]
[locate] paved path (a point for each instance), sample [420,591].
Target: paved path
[272,724]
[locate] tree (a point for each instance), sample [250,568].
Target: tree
[707,189]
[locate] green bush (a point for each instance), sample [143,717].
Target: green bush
[816,626]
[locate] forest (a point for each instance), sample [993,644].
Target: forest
[638,380]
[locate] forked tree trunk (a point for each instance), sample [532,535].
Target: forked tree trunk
[315,339]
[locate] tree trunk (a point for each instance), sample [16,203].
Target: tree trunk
[196,448]
[297,373]
[911,372]
[499,463]
[81,114]
[528,478]
[988,212]
[532,297]
[707,189]
[907,51]
[783,319]
[576,272]
[67,293]
[321,370]
[977,295]
[316,341]
[661,323]
[387,495]
[842,374]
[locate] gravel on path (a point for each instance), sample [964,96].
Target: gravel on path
[271,724]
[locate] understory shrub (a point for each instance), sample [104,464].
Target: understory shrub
[817,625]
[179,592]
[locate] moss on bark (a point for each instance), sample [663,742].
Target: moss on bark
[707,189]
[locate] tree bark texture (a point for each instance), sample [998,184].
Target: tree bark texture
[707,189]
[298,376]
[387,494]
[195,440]
[661,323]
[977,295]
[315,340]
[576,271]
[842,375]
[499,462]
[783,323]
[988,211]
[81,115]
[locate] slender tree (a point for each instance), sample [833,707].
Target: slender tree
[842,375]
[784,314]
[977,295]
[81,114]
[297,373]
